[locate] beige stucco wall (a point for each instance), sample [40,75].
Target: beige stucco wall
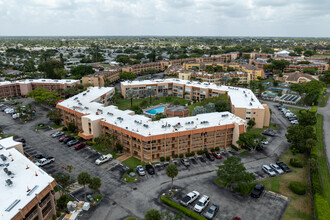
[267,115]
[184,76]
[95,126]
[25,88]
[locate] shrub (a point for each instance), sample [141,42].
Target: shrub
[187,154]
[175,156]
[295,162]
[91,143]
[176,102]
[245,188]
[58,213]
[315,180]
[130,170]
[298,187]
[192,153]
[64,129]
[200,152]
[212,149]
[168,158]
[62,201]
[217,149]
[162,159]
[181,156]
[144,103]
[234,147]
[182,209]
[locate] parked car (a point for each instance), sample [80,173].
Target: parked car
[150,169]
[80,146]
[294,122]
[185,162]
[209,156]
[202,159]
[72,142]
[211,211]
[140,170]
[237,218]
[189,198]
[292,118]
[66,140]
[19,139]
[44,161]
[103,159]
[265,142]
[276,168]
[257,190]
[268,170]
[40,156]
[16,116]
[260,147]
[57,134]
[269,132]
[62,138]
[283,166]
[202,203]
[217,155]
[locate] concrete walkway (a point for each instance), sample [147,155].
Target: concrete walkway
[123,157]
[325,111]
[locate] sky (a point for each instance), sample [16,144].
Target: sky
[286,18]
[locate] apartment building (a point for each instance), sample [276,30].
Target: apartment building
[27,191]
[23,87]
[320,66]
[244,103]
[146,139]
[97,79]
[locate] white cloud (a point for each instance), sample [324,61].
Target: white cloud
[165,17]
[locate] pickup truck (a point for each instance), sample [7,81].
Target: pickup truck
[189,198]
[44,161]
[103,159]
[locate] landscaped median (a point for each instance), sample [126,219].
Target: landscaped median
[320,177]
[181,209]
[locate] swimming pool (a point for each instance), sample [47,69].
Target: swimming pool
[154,111]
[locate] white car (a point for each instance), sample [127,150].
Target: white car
[276,168]
[202,203]
[140,170]
[103,159]
[44,161]
[189,198]
[9,111]
[268,170]
[15,116]
[294,122]
[265,142]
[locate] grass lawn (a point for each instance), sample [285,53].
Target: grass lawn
[244,153]
[300,207]
[133,162]
[56,126]
[124,104]
[322,162]
[128,179]
[324,101]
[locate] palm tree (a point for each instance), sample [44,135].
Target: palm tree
[131,94]
[172,171]
[150,92]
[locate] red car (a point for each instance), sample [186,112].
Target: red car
[237,218]
[80,146]
[63,137]
[217,155]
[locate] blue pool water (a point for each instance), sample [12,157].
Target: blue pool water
[154,111]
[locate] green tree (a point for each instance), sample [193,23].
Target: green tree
[82,70]
[298,49]
[310,70]
[172,172]
[40,95]
[107,82]
[298,135]
[251,123]
[306,118]
[84,179]
[280,64]
[55,116]
[95,183]
[150,92]
[153,214]
[131,94]
[49,67]
[250,140]
[127,75]
[309,53]
[233,172]
[29,66]
[122,59]
[64,180]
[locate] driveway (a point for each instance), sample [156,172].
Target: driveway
[122,200]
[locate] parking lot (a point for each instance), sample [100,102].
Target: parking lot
[123,200]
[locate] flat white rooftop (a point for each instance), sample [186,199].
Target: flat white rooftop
[15,196]
[141,124]
[27,81]
[239,97]
[8,142]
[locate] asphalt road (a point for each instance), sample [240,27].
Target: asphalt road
[122,200]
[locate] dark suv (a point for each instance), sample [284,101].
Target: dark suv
[257,190]
[209,156]
[283,166]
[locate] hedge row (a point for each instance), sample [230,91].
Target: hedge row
[295,162]
[182,209]
[321,206]
[298,188]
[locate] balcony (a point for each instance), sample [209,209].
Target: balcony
[85,136]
